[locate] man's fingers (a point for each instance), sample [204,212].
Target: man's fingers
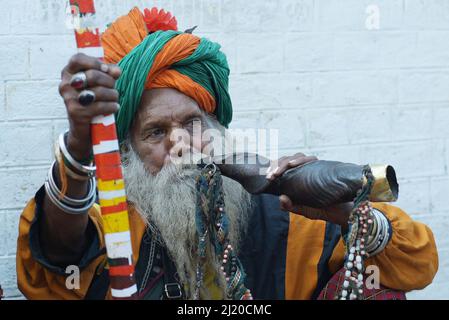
[299,155]
[114,71]
[300,161]
[271,171]
[103,108]
[66,91]
[105,94]
[287,204]
[85,114]
[97,73]
[279,169]
[81,62]
[97,78]
[288,163]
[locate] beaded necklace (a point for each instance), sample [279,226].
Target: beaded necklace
[360,227]
[212,225]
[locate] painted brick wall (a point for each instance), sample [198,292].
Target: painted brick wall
[311,68]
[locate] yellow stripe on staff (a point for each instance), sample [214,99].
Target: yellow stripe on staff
[116,222]
[110,185]
[112,202]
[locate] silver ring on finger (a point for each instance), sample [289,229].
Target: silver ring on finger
[79,80]
[86,97]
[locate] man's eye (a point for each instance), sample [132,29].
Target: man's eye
[155,133]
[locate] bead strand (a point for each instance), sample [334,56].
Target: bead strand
[353,281]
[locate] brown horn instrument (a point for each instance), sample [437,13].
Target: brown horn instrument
[317,184]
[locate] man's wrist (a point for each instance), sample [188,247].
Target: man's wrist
[78,149]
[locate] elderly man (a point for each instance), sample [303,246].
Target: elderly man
[168,80]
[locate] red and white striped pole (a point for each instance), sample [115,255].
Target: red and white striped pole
[111,188]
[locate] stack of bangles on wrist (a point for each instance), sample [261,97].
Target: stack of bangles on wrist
[75,170]
[380,234]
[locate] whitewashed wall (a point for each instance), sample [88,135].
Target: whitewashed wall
[334,84]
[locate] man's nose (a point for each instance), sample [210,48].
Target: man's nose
[178,146]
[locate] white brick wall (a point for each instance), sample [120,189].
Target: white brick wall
[307,67]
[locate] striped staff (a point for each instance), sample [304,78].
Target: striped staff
[111,188]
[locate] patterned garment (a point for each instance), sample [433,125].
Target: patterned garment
[333,288]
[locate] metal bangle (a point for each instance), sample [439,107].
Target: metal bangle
[380,247]
[66,204]
[75,203]
[65,208]
[383,238]
[373,238]
[379,234]
[90,170]
[66,199]
[374,231]
[76,176]
[386,228]
[70,172]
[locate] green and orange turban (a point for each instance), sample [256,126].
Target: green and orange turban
[152,54]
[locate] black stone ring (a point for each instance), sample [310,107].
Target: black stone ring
[86,97]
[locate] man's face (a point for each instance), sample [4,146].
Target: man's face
[161,111]
[165,194]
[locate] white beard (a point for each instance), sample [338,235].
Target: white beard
[167,203]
